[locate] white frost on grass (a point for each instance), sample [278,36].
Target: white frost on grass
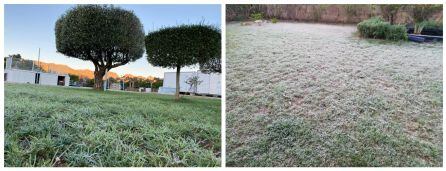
[338,84]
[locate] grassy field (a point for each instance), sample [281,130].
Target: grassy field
[316,95]
[56,126]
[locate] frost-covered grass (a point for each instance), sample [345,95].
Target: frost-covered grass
[56,126]
[316,95]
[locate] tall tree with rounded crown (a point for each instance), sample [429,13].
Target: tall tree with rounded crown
[181,46]
[107,36]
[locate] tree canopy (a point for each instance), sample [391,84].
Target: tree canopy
[106,35]
[183,45]
[211,66]
[421,12]
[389,11]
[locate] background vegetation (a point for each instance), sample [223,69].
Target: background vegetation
[336,13]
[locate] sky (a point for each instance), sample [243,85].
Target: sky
[30,27]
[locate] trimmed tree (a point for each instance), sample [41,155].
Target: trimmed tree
[181,46]
[105,35]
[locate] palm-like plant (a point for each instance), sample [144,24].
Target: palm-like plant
[193,81]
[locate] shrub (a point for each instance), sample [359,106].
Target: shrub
[418,28]
[377,28]
[432,24]
[257,16]
[373,28]
[396,32]
[274,20]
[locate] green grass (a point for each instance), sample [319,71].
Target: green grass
[311,95]
[57,126]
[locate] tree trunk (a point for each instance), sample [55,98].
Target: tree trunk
[98,75]
[177,92]
[391,19]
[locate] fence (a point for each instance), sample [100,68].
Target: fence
[335,13]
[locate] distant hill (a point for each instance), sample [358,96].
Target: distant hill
[82,73]
[27,64]
[64,69]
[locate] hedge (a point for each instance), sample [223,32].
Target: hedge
[377,28]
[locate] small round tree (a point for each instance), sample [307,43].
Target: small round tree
[184,45]
[105,35]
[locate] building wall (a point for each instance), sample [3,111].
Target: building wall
[215,84]
[25,76]
[204,86]
[211,83]
[20,76]
[48,79]
[67,80]
[115,86]
[170,80]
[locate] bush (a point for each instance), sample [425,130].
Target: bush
[396,32]
[372,28]
[418,28]
[274,20]
[432,24]
[257,16]
[377,28]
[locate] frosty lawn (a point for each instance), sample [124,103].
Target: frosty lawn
[317,95]
[56,126]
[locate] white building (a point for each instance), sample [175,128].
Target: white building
[34,77]
[210,85]
[116,86]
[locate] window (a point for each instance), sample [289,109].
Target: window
[37,79]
